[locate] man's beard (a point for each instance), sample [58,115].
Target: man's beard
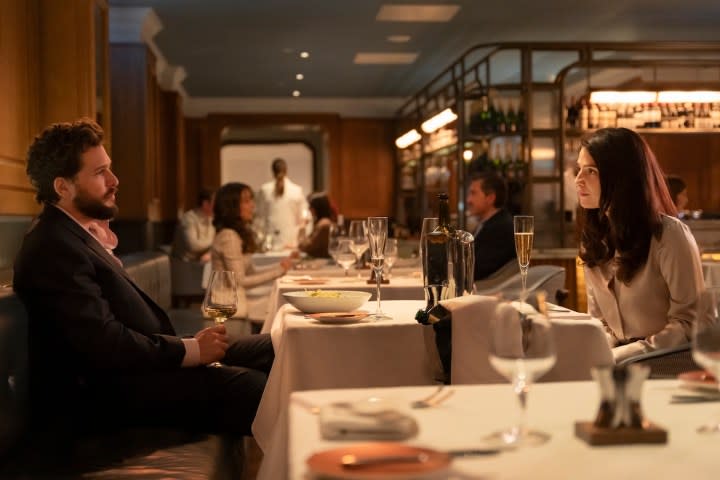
[94,208]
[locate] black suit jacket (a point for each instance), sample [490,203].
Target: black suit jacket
[494,244]
[87,319]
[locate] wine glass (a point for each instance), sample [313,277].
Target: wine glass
[334,238]
[391,255]
[377,231]
[220,300]
[428,226]
[706,341]
[522,349]
[344,254]
[358,234]
[524,231]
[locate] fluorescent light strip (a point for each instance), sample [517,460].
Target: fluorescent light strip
[407,139]
[611,97]
[698,96]
[439,120]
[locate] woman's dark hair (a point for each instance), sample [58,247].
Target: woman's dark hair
[320,202]
[226,213]
[632,199]
[57,152]
[675,185]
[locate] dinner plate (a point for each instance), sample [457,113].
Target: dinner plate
[329,462]
[310,281]
[698,379]
[340,317]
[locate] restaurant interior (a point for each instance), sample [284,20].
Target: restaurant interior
[384,106]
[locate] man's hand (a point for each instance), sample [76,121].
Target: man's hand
[213,343]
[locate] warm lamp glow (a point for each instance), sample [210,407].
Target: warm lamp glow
[612,97]
[467,155]
[439,120]
[407,138]
[699,96]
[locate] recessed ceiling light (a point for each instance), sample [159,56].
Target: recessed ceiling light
[416,13]
[304,54]
[299,76]
[296,93]
[379,58]
[398,38]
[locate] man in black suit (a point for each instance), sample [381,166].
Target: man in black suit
[101,351]
[494,237]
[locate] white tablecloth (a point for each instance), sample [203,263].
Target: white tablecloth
[310,355]
[711,273]
[475,411]
[399,288]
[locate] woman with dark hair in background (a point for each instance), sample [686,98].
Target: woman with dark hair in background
[642,266]
[234,242]
[316,245]
[678,193]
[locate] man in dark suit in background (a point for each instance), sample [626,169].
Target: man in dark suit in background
[494,236]
[101,351]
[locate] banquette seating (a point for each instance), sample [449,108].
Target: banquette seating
[119,454]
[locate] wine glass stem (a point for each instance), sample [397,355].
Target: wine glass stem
[378,280]
[523,279]
[521,389]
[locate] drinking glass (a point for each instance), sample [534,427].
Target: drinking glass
[391,255]
[429,225]
[358,234]
[344,254]
[522,349]
[706,341]
[220,300]
[524,231]
[334,237]
[377,232]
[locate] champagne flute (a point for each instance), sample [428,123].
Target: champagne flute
[220,300]
[524,231]
[391,255]
[344,254]
[377,232]
[522,349]
[706,341]
[358,234]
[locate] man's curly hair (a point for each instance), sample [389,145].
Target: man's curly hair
[57,152]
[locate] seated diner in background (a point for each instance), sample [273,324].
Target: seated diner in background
[233,245]
[195,231]
[316,244]
[642,266]
[678,194]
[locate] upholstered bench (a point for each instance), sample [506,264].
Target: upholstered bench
[127,453]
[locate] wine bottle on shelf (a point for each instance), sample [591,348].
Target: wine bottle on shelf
[572,114]
[500,125]
[511,119]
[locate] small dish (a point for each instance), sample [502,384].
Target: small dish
[329,462]
[339,317]
[698,380]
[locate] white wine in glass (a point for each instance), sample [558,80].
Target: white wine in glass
[706,341]
[220,302]
[524,226]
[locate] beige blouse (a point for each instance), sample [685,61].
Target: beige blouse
[226,253]
[657,309]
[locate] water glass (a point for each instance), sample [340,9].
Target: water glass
[391,255]
[357,232]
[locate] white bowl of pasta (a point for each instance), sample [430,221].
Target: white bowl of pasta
[326,301]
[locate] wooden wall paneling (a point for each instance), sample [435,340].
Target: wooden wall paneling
[19,52]
[194,148]
[366,172]
[169,130]
[131,162]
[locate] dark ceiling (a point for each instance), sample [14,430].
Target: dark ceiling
[250,48]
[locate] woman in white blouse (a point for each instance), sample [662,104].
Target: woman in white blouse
[642,266]
[235,242]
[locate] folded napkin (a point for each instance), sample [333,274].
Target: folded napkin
[351,421]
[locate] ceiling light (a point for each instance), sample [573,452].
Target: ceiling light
[611,97]
[407,138]
[377,58]
[398,38]
[467,155]
[416,13]
[299,76]
[304,54]
[439,120]
[296,93]
[698,96]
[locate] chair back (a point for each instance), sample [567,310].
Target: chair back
[580,345]
[550,278]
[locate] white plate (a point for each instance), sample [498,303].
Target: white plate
[326,301]
[698,380]
[340,317]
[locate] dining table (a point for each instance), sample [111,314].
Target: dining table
[473,412]
[313,355]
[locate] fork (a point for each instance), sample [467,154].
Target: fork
[433,400]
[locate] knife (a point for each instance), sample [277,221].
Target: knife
[357,461]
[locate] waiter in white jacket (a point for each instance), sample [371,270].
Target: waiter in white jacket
[282,204]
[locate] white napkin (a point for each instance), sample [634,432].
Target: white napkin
[362,421]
